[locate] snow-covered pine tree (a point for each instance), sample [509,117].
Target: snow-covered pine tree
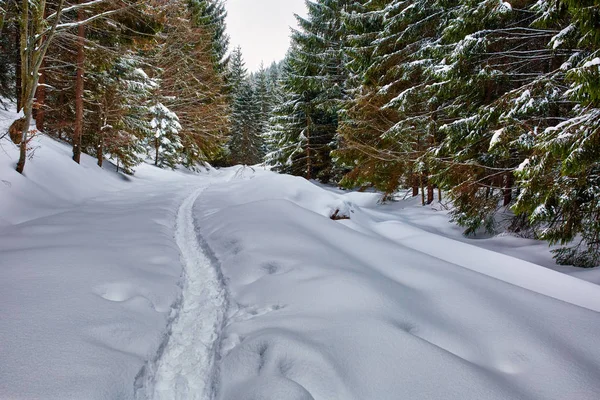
[289,123]
[389,121]
[8,49]
[264,101]
[491,51]
[246,142]
[165,143]
[190,85]
[314,78]
[237,72]
[119,97]
[561,179]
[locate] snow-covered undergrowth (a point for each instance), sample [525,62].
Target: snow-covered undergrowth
[376,308]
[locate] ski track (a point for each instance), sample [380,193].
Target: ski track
[185,367]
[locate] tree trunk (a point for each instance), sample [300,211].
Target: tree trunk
[429,193]
[508,185]
[100,150]
[40,99]
[22,72]
[18,69]
[308,154]
[415,185]
[440,195]
[62,123]
[78,129]
[156,148]
[422,189]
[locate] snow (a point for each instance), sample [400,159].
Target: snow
[236,284]
[376,306]
[591,63]
[89,273]
[185,369]
[496,138]
[505,5]
[523,165]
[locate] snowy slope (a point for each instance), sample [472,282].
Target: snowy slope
[89,272]
[369,309]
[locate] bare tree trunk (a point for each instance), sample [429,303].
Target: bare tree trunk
[422,189]
[308,155]
[440,194]
[40,99]
[415,185]
[23,64]
[100,150]
[508,185]
[429,193]
[19,68]
[78,128]
[62,123]
[156,148]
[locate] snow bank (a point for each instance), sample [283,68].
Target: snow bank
[369,309]
[52,181]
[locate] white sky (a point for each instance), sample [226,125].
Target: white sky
[262,28]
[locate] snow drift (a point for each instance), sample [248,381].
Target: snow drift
[364,309]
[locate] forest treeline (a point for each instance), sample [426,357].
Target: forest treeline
[493,104]
[496,104]
[125,79]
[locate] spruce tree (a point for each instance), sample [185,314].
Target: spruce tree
[211,15]
[119,96]
[315,82]
[246,143]
[190,85]
[561,179]
[165,142]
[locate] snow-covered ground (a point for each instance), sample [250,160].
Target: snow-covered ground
[236,285]
[376,307]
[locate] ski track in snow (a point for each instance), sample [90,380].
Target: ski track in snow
[185,365]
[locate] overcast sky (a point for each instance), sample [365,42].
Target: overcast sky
[261,28]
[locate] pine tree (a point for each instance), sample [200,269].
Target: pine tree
[237,71]
[190,86]
[264,102]
[314,84]
[388,123]
[561,179]
[8,50]
[119,97]
[165,141]
[291,124]
[246,143]
[211,15]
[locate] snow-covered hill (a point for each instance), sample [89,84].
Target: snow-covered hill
[236,285]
